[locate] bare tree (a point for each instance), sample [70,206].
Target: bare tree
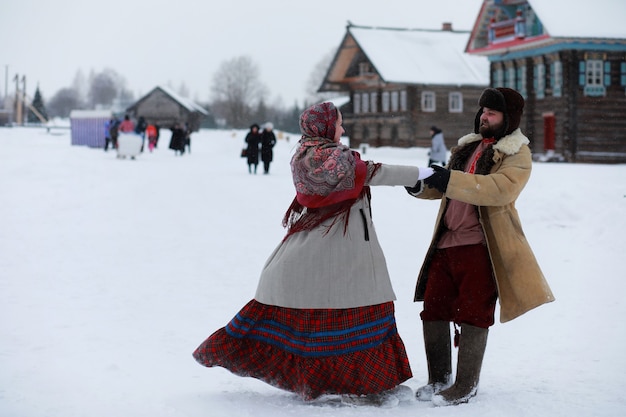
[63,102]
[237,91]
[183,90]
[316,78]
[80,84]
[105,87]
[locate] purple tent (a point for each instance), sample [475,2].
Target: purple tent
[87,127]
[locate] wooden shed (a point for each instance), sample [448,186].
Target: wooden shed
[165,108]
[403,81]
[88,127]
[568,59]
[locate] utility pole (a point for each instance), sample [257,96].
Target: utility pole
[6,87]
[6,81]
[18,104]
[24,112]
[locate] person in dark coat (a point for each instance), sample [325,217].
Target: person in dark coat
[268,140]
[114,131]
[140,129]
[177,142]
[187,130]
[158,134]
[107,134]
[253,138]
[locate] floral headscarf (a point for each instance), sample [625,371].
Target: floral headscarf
[328,176]
[326,172]
[318,121]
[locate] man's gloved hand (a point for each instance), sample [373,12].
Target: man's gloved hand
[415,190]
[439,179]
[418,187]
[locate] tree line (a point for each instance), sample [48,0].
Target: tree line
[238,97]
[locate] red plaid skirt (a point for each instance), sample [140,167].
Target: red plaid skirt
[312,352]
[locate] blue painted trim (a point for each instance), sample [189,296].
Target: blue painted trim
[287,339]
[315,354]
[550,49]
[248,324]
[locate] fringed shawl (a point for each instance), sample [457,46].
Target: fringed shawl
[329,177]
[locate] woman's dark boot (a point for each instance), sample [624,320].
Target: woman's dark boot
[438,357]
[472,344]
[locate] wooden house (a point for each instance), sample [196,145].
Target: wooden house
[568,59]
[403,81]
[165,108]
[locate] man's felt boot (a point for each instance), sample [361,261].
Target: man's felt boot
[472,344]
[438,357]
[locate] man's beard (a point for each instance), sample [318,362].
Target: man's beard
[490,131]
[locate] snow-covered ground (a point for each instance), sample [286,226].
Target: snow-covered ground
[113,271]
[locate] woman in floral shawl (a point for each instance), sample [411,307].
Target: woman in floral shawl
[322,320]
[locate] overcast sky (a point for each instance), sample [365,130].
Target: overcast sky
[165,42]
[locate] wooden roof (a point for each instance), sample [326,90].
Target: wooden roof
[409,56]
[188,104]
[505,26]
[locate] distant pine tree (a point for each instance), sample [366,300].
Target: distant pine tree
[39,106]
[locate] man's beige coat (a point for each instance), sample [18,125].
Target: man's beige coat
[521,284]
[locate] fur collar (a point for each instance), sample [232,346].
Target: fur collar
[508,145]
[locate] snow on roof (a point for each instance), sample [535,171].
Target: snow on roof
[339,101]
[185,102]
[91,114]
[422,56]
[582,19]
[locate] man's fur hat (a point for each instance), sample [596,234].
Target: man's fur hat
[506,100]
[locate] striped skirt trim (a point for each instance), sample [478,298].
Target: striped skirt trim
[323,343]
[312,351]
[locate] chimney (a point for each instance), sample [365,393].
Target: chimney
[447,26]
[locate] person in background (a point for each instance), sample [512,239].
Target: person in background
[438,153]
[187,137]
[140,129]
[127,125]
[151,132]
[114,130]
[177,141]
[322,320]
[479,252]
[268,140]
[107,134]
[158,135]
[253,138]
[141,126]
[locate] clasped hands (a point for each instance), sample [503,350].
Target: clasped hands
[438,179]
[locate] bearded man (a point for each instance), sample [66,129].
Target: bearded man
[478,253]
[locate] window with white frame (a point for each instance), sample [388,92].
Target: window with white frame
[365,103]
[593,77]
[540,80]
[498,78]
[374,102]
[403,101]
[510,77]
[520,84]
[385,101]
[428,101]
[395,101]
[455,102]
[357,103]
[364,68]
[557,79]
[594,73]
